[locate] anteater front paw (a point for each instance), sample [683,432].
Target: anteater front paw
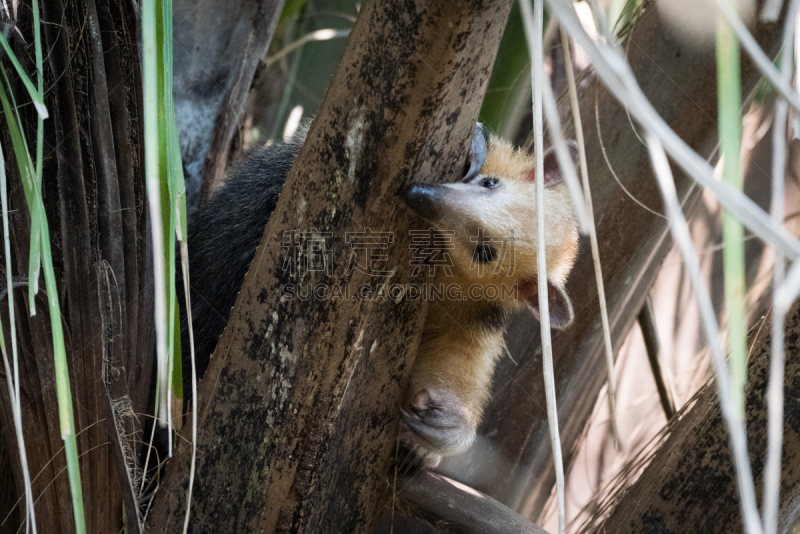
[437,424]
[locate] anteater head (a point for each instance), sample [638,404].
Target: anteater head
[489,221]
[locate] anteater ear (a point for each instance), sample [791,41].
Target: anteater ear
[552,170]
[561,314]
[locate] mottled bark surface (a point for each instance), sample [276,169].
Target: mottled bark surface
[513,461]
[690,485]
[218,45]
[94,198]
[299,407]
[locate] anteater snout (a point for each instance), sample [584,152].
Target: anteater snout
[423,199]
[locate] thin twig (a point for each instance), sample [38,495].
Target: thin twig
[13,380]
[736,425]
[796,116]
[319,35]
[564,159]
[772,466]
[647,324]
[598,271]
[560,146]
[185,270]
[533,33]
[771,10]
[608,161]
[618,77]
[150,447]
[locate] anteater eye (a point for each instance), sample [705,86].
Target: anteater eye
[490,182]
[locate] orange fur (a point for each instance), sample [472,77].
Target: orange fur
[459,347]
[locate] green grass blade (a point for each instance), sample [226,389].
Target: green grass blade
[730,127]
[167,218]
[36,96]
[37,42]
[150,58]
[13,385]
[35,260]
[39,226]
[730,135]
[736,426]
[171,187]
[63,392]
[178,224]
[18,142]
[28,174]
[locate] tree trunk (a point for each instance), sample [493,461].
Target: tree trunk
[512,461]
[299,406]
[94,196]
[94,193]
[218,45]
[690,484]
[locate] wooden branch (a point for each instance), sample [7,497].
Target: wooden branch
[454,508]
[217,46]
[690,485]
[681,84]
[299,405]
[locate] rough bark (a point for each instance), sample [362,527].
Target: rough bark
[218,45]
[513,461]
[298,409]
[690,485]
[94,199]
